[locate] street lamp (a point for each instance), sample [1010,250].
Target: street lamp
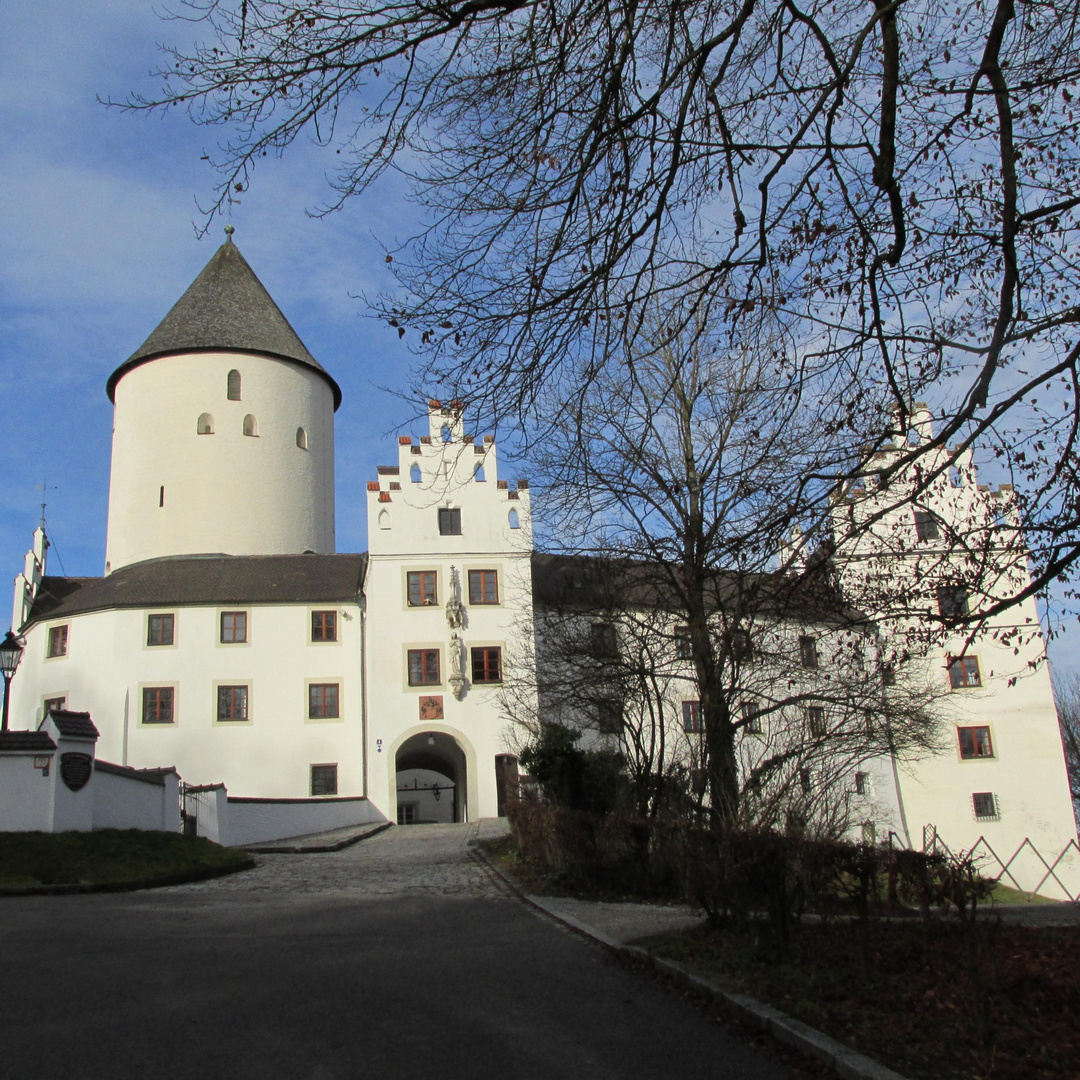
[10,655]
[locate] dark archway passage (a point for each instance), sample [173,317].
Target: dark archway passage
[431,779]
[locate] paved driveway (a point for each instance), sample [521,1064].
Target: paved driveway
[398,957]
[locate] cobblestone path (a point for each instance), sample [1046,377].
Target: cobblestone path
[412,860]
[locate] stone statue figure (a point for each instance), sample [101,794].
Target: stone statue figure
[457,663]
[455,609]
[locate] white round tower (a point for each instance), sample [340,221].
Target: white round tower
[223,430]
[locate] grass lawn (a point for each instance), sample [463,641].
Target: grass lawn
[114,857]
[910,1004]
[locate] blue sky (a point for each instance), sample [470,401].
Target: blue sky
[97,215]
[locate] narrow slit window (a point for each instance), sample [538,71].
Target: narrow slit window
[233,387]
[301,438]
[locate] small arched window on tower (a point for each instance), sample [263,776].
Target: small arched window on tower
[234,385]
[478,474]
[384,519]
[301,438]
[446,433]
[205,426]
[251,425]
[515,522]
[414,474]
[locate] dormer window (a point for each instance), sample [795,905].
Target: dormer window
[233,388]
[205,425]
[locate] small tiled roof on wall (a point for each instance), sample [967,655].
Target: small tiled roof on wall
[74,725]
[26,741]
[225,308]
[200,580]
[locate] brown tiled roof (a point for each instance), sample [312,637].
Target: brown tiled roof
[147,776]
[200,580]
[74,725]
[27,741]
[225,308]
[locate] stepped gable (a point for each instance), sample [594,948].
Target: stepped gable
[226,308]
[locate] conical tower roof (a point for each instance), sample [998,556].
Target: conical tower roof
[225,308]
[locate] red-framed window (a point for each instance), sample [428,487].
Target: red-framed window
[232,703]
[324,626]
[483,587]
[233,627]
[975,742]
[423,588]
[160,629]
[487,664]
[157,704]
[323,701]
[58,641]
[424,667]
[964,672]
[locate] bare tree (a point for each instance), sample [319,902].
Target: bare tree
[1067,697]
[668,479]
[895,180]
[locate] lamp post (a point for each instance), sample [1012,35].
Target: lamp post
[10,655]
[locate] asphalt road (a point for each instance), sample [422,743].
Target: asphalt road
[396,958]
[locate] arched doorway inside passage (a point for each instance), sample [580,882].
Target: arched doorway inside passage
[431,775]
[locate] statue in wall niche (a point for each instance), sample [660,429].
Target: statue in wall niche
[455,609]
[457,665]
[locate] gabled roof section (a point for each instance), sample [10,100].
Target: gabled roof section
[225,308]
[73,725]
[201,580]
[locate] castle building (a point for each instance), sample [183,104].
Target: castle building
[228,639]
[309,689]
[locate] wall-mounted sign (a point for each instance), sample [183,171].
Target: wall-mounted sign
[76,770]
[431,707]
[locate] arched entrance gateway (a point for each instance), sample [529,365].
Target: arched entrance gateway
[431,779]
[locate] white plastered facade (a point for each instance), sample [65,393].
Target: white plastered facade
[1024,770]
[174,490]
